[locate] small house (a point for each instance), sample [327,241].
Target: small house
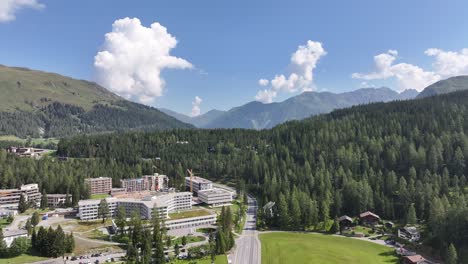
[369,218]
[345,221]
[410,233]
[10,235]
[389,224]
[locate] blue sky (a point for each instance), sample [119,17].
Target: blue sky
[230,45]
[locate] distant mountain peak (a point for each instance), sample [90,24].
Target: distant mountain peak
[453,84]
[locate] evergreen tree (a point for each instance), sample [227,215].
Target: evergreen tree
[70,243]
[28,226]
[22,205]
[176,249]
[220,243]
[34,239]
[120,219]
[103,210]
[411,215]
[452,257]
[35,219]
[184,241]
[44,202]
[3,246]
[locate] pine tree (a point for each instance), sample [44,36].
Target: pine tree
[44,202]
[3,246]
[176,249]
[220,243]
[452,257]
[22,205]
[103,210]
[70,243]
[34,239]
[411,215]
[120,219]
[35,219]
[28,226]
[184,241]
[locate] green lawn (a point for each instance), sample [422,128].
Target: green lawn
[21,259]
[188,214]
[99,196]
[4,222]
[190,239]
[284,247]
[220,259]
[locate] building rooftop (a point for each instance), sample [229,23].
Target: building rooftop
[10,233]
[214,191]
[196,179]
[368,213]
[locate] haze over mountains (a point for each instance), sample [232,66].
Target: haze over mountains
[257,115]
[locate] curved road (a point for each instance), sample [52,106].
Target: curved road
[248,245]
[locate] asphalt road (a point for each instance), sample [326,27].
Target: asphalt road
[247,249]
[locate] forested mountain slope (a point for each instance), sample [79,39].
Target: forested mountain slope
[40,104]
[381,157]
[453,84]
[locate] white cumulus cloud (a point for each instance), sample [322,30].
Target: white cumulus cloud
[8,8]
[303,63]
[196,106]
[447,64]
[263,82]
[132,58]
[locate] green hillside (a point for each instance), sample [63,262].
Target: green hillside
[28,90]
[41,104]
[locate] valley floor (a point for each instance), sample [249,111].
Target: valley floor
[313,248]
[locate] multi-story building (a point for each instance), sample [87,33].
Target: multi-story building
[10,197]
[101,185]
[27,152]
[215,197]
[164,203]
[198,184]
[154,182]
[56,200]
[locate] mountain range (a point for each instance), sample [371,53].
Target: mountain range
[41,104]
[257,115]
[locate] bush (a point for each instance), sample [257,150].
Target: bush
[19,246]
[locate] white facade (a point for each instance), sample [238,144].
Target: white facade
[191,222]
[164,203]
[10,197]
[198,184]
[215,197]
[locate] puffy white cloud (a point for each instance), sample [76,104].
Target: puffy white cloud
[8,8]
[303,62]
[263,82]
[265,96]
[132,58]
[409,76]
[196,107]
[449,63]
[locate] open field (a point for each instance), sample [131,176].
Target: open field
[21,259]
[187,214]
[220,259]
[284,247]
[99,196]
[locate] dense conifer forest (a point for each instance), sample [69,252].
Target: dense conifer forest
[391,158]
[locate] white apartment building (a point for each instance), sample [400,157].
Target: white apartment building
[56,200]
[215,197]
[165,203]
[198,184]
[154,182]
[10,197]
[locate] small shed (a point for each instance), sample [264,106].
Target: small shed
[345,221]
[389,224]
